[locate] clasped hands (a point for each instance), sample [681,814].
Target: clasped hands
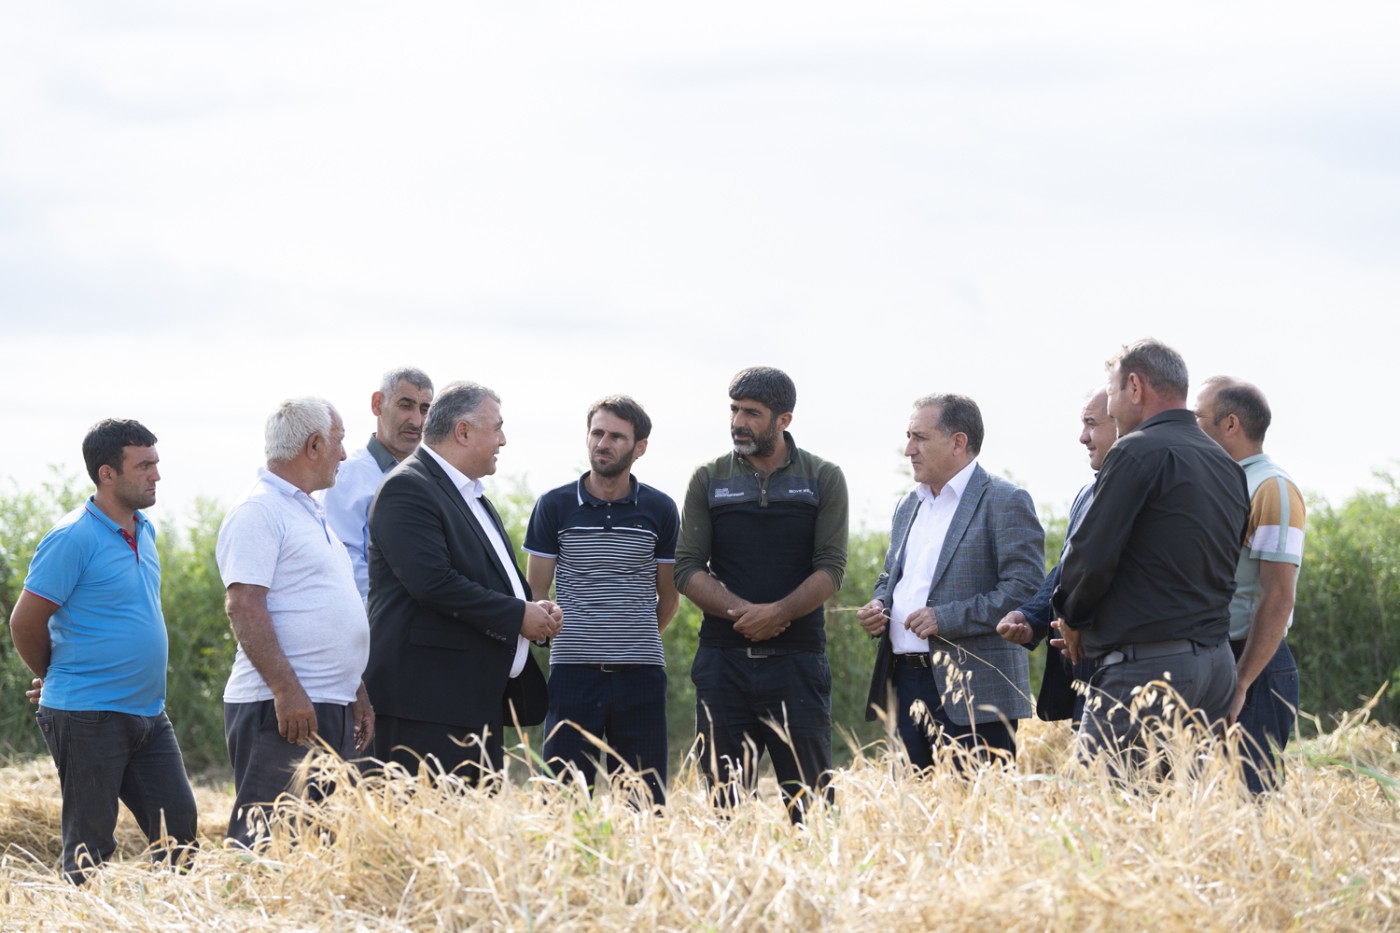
[543,620]
[759,621]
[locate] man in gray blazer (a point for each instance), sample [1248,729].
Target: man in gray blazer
[965,549]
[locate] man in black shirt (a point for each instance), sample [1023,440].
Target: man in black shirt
[1147,578]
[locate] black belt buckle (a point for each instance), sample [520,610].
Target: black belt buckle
[919,660]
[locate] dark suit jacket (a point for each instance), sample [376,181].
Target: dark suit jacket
[444,619]
[992,559]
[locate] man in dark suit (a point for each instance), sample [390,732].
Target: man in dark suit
[450,613]
[965,549]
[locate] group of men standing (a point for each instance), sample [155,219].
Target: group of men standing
[388,578]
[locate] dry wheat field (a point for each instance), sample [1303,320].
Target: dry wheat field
[1050,845]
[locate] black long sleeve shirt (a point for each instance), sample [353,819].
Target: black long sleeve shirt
[1154,558]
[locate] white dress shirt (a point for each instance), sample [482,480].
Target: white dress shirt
[922,548]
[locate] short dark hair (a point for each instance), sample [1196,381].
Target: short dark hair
[458,401]
[104,442]
[1245,402]
[414,377]
[957,413]
[771,387]
[626,408]
[1157,364]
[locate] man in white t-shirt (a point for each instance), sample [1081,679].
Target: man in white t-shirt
[303,636]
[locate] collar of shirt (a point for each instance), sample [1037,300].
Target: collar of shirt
[293,492]
[957,486]
[791,451]
[101,516]
[587,498]
[382,458]
[1171,415]
[468,487]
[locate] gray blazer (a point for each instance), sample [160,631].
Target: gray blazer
[992,561]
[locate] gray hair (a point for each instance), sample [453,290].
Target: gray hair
[1157,364]
[458,402]
[414,377]
[957,414]
[292,424]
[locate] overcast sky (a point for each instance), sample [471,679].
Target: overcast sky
[207,208]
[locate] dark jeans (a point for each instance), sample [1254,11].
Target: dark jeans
[923,737]
[625,707]
[105,757]
[746,705]
[264,763]
[1119,718]
[1270,710]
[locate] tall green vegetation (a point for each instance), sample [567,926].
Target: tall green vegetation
[1346,624]
[1346,633]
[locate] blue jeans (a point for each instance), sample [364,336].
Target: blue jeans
[105,757]
[1270,710]
[922,738]
[746,705]
[625,707]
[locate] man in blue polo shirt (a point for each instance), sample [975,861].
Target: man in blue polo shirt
[608,544]
[90,627]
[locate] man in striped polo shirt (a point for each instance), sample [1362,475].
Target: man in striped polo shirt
[1236,415]
[608,544]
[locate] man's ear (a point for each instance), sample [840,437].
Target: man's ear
[641,449]
[784,420]
[376,403]
[1135,388]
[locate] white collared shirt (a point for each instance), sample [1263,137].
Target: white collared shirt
[471,491]
[922,548]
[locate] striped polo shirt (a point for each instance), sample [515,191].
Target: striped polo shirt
[605,572]
[1277,519]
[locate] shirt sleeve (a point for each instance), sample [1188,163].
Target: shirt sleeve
[1276,523]
[56,567]
[833,525]
[669,531]
[1037,609]
[249,543]
[542,534]
[696,534]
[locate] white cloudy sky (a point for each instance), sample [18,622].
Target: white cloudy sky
[207,208]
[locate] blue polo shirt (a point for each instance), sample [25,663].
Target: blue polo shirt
[605,572]
[109,647]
